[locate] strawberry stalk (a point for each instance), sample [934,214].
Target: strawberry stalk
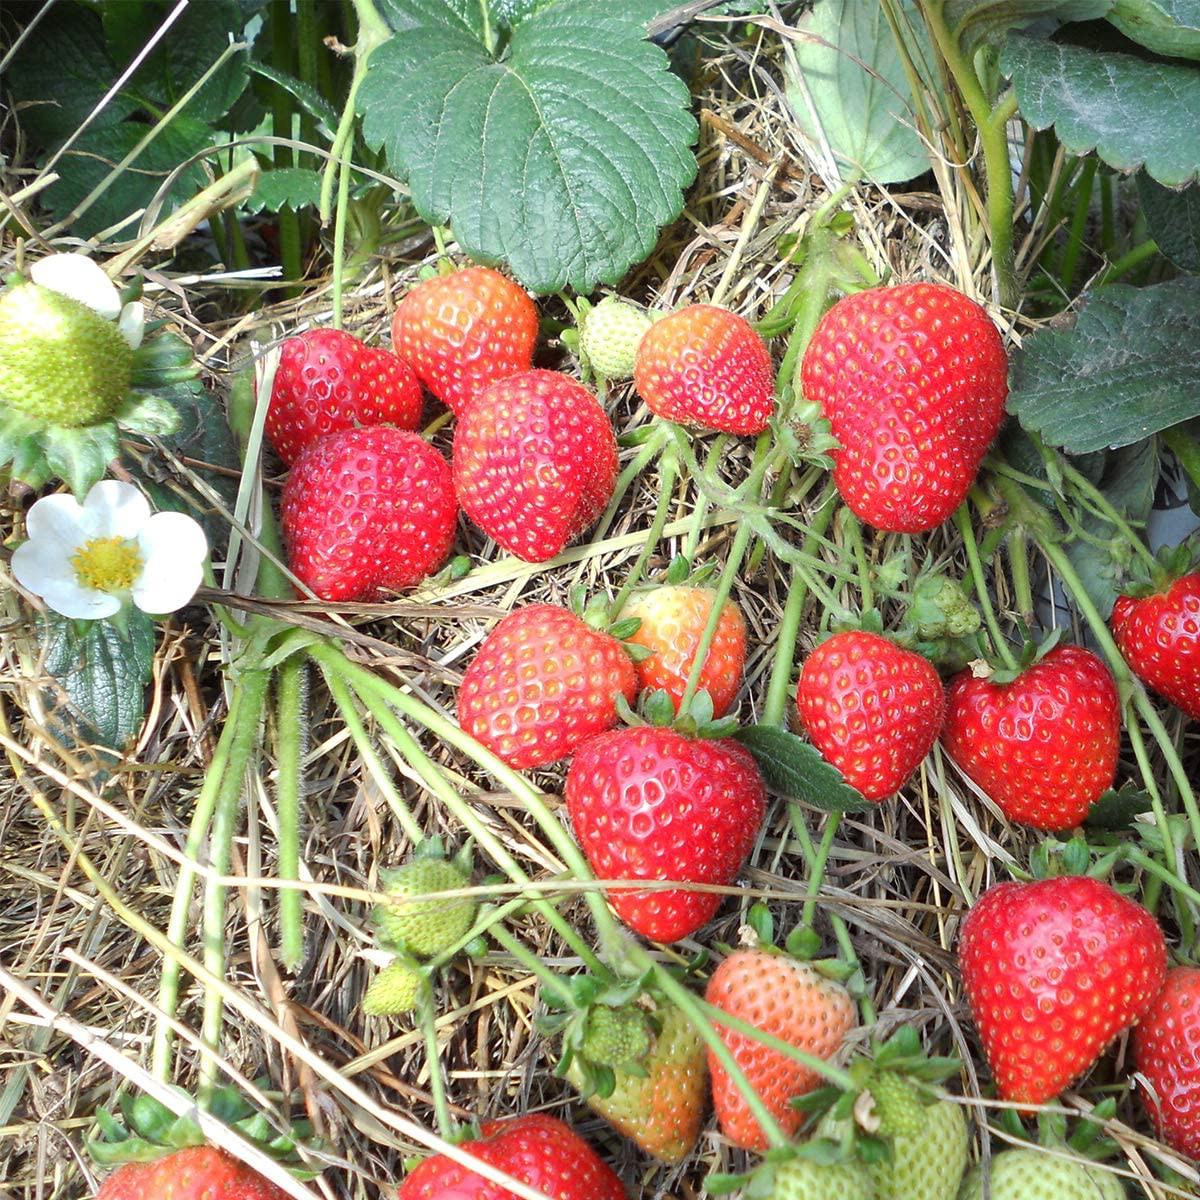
[668,467]
[427,1018]
[962,519]
[290,727]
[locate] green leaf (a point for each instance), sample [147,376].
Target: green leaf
[1173,219]
[1170,27]
[104,672]
[148,414]
[795,769]
[80,457]
[977,20]
[285,187]
[563,157]
[1116,810]
[1129,367]
[852,90]
[1131,111]
[308,97]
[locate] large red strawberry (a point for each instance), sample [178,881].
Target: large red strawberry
[1159,635]
[542,683]
[366,512]
[535,1149]
[535,462]
[328,381]
[649,803]
[790,1000]
[1044,745]
[197,1173]
[872,708]
[1053,971]
[913,380]
[1166,1048]
[673,619]
[463,331]
[706,366]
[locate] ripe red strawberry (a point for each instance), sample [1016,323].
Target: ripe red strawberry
[197,1173]
[534,1149]
[673,621]
[872,708]
[1044,746]
[463,331]
[706,366]
[1053,971]
[535,462]
[913,380]
[542,683]
[1166,1048]
[790,1000]
[366,512]
[649,803]
[1159,636]
[328,381]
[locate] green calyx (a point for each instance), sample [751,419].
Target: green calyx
[60,363]
[615,1037]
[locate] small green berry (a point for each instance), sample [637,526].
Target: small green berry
[609,337]
[394,990]
[424,926]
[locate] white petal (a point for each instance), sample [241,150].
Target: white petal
[61,521]
[173,547]
[133,323]
[38,564]
[118,509]
[82,279]
[74,601]
[157,593]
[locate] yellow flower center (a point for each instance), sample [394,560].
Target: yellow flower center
[109,564]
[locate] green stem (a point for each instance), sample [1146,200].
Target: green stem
[1102,506]
[283,112]
[852,533]
[1151,785]
[427,1016]
[1152,866]
[1079,219]
[1018,573]
[1129,261]
[666,487]
[290,731]
[533,964]
[962,518]
[816,869]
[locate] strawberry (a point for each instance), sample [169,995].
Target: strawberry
[872,708]
[61,362]
[1044,745]
[1028,1174]
[913,381]
[414,918]
[366,512]
[462,332]
[808,1179]
[706,366]
[1166,1048]
[542,683]
[659,1103]
[1159,635]
[535,1149]
[327,381]
[535,462]
[395,990]
[609,336]
[196,1173]
[649,803]
[1053,971]
[786,998]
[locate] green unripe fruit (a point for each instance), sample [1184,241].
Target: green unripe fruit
[897,1104]
[60,362]
[610,334]
[615,1037]
[1039,1175]
[424,926]
[803,1179]
[394,990]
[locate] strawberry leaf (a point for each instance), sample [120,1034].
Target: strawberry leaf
[560,150]
[1173,220]
[975,20]
[795,769]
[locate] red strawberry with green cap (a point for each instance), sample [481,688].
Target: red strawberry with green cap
[872,708]
[366,512]
[706,366]
[463,331]
[651,803]
[329,380]
[1159,636]
[1043,744]
[541,684]
[194,1173]
[535,462]
[1166,1049]
[913,380]
[535,1149]
[1053,971]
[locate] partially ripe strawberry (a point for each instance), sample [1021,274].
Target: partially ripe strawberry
[535,462]
[366,512]
[706,366]
[1159,635]
[462,332]
[195,1173]
[673,619]
[1166,1049]
[1053,971]
[610,334]
[328,381]
[913,380]
[872,708]
[541,684]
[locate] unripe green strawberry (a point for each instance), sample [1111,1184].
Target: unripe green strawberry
[60,362]
[1034,1174]
[415,919]
[609,336]
[897,1105]
[804,1179]
[394,990]
[615,1037]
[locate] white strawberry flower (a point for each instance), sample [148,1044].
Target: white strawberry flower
[82,279]
[89,560]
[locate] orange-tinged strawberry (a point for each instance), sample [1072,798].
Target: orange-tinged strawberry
[790,1000]
[196,1173]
